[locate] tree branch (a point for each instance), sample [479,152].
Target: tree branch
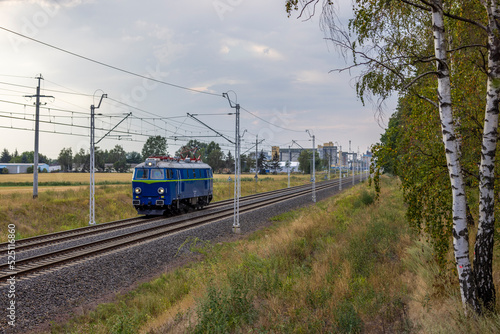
[418,78]
[456,17]
[305,6]
[428,100]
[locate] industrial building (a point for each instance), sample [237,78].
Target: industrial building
[22,168]
[290,154]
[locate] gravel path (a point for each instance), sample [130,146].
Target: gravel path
[79,286]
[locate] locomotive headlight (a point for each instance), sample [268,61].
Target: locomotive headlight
[137,190]
[161,191]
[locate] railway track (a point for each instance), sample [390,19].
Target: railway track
[63,236]
[92,249]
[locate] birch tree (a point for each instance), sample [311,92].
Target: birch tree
[483,255]
[388,53]
[459,207]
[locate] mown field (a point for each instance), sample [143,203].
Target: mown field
[348,264]
[63,201]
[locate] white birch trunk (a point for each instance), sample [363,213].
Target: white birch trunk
[483,254]
[460,232]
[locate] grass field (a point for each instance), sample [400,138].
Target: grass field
[63,201]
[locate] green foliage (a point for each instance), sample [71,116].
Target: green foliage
[262,163]
[154,146]
[134,157]
[5,157]
[347,319]
[367,198]
[305,161]
[65,159]
[224,310]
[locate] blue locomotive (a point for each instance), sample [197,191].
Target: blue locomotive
[170,185]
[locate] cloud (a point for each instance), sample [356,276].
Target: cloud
[272,62]
[238,49]
[312,77]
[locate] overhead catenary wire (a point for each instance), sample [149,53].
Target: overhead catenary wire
[171,120]
[109,66]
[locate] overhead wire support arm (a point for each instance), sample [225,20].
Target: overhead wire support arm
[120,122]
[295,142]
[260,142]
[217,132]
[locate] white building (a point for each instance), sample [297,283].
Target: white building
[20,168]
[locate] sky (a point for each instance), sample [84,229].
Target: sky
[277,68]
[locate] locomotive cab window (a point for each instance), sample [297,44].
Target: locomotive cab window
[169,174]
[157,174]
[142,174]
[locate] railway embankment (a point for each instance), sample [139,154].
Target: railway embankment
[346,264]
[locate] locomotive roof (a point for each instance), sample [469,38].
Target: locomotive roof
[175,164]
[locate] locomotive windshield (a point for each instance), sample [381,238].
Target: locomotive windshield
[142,174]
[157,174]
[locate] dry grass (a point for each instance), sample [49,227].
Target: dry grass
[333,267]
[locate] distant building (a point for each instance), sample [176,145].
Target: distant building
[54,168]
[294,167]
[344,160]
[275,151]
[290,154]
[20,168]
[328,150]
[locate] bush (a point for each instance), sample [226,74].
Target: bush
[4,171]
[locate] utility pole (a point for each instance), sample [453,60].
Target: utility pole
[37,132]
[352,162]
[329,163]
[289,163]
[237,181]
[360,165]
[256,158]
[92,161]
[313,180]
[340,168]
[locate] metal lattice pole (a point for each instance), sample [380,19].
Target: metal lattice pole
[92,167]
[92,162]
[237,183]
[313,180]
[288,168]
[37,132]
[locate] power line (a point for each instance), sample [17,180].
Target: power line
[262,119]
[110,66]
[42,107]
[16,76]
